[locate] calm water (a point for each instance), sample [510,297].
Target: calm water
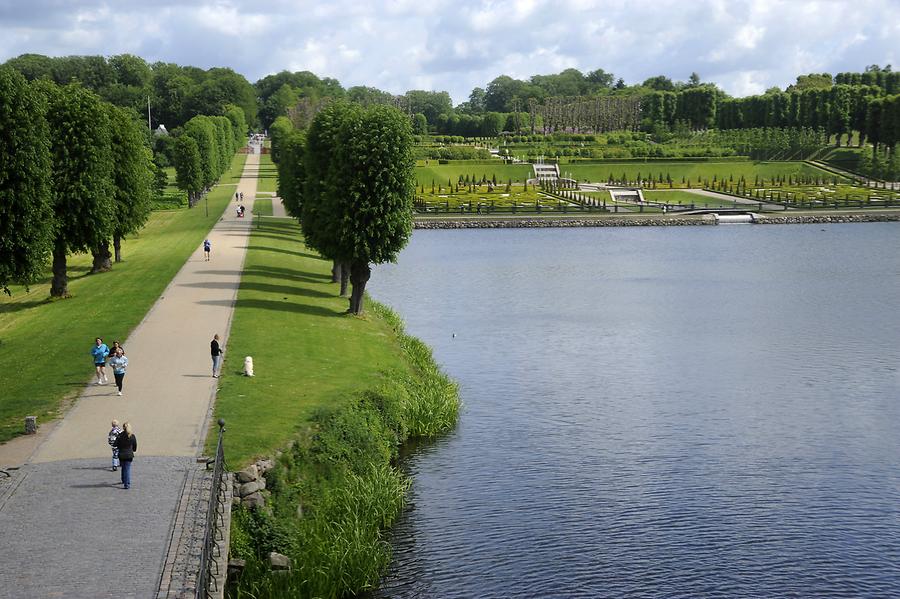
[661,412]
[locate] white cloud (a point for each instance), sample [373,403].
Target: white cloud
[744,45]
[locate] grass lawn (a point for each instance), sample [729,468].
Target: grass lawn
[108,305]
[307,353]
[267,177]
[678,196]
[440,173]
[262,207]
[705,170]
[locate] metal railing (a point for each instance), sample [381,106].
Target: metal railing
[207,585]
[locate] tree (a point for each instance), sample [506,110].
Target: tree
[659,83]
[26,223]
[202,129]
[133,177]
[238,124]
[279,130]
[291,172]
[188,167]
[420,124]
[81,182]
[694,80]
[360,170]
[601,78]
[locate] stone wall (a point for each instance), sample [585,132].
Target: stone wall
[645,221]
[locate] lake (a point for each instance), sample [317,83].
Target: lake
[656,412]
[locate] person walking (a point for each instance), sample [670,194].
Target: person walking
[114,433]
[216,350]
[207,247]
[126,443]
[100,352]
[119,364]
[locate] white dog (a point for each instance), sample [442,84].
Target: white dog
[248,366]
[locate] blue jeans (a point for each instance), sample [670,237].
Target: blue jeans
[217,361]
[126,473]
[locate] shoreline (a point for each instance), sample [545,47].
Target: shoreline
[647,220]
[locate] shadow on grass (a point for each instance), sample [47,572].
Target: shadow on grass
[280,306]
[262,287]
[12,308]
[282,251]
[287,273]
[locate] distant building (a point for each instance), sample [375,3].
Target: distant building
[161,130]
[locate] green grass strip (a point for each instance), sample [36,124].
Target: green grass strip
[44,344]
[306,351]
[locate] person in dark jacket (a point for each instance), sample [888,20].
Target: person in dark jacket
[127,445]
[217,351]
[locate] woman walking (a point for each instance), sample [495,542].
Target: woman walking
[217,352]
[126,443]
[119,363]
[100,352]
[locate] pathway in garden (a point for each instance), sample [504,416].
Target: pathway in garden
[67,527]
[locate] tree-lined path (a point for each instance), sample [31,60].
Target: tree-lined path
[67,528]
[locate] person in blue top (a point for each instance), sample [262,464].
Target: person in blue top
[99,353]
[119,363]
[207,246]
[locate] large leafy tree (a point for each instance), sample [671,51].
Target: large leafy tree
[188,167]
[292,172]
[203,130]
[26,224]
[238,124]
[81,181]
[133,177]
[364,184]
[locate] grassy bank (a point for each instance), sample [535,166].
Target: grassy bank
[267,176]
[109,305]
[339,395]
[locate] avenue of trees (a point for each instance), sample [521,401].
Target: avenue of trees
[77,174]
[349,179]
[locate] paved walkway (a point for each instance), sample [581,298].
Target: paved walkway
[67,529]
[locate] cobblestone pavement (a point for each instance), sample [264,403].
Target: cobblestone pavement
[69,529]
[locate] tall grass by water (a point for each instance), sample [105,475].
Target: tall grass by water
[335,397]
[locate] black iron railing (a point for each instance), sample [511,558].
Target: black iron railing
[208,579]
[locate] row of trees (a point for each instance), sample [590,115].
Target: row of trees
[77,175]
[203,151]
[349,179]
[175,93]
[838,110]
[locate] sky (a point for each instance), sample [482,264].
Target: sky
[744,46]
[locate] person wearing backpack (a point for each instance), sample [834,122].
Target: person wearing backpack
[207,246]
[114,433]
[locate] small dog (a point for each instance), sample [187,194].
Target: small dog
[248,366]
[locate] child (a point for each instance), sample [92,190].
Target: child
[207,246]
[114,433]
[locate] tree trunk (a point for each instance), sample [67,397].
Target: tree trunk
[60,285]
[117,247]
[335,271]
[102,258]
[359,276]
[345,278]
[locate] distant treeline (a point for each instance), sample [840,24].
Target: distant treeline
[567,101]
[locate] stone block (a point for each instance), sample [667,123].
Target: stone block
[248,489]
[265,465]
[261,482]
[254,500]
[30,425]
[248,474]
[278,561]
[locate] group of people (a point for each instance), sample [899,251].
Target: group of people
[113,357]
[124,444]
[122,439]
[239,197]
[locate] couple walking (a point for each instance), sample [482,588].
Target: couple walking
[116,359]
[124,444]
